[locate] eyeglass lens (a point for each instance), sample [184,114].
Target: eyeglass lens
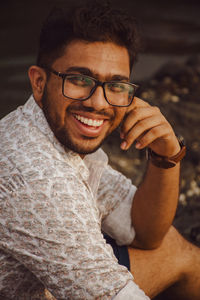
[80,87]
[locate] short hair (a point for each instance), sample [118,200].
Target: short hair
[92,22]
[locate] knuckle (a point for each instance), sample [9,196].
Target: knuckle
[156,109]
[143,140]
[155,131]
[130,138]
[124,129]
[144,124]
[138,111]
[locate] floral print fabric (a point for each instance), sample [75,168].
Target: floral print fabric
[52,212]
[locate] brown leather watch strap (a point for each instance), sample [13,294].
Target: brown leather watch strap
[164,161]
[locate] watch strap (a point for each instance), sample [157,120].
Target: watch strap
[164,161]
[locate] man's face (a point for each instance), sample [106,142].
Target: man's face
[69,119]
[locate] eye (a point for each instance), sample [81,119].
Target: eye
[80,80]
[117,87]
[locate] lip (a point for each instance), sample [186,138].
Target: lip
[86,130]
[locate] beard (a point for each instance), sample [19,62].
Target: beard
[85,145]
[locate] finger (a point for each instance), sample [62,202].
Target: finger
[158,132]
[137,115]
[140,128]
[161,139]
[137,102]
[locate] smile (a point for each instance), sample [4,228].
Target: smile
[89,122]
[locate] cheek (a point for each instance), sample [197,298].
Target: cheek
[56,107]
[119,115]
[54,94]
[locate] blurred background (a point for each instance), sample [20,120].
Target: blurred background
[167,70]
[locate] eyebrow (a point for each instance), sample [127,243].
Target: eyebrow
[88,72]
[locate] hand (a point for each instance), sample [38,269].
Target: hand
[145,125]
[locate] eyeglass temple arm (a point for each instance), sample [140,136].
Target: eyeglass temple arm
[54,71]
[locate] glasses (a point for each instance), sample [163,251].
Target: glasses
[82,87]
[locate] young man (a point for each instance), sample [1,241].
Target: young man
[57,192]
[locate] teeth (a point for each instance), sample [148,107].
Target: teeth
[90,122]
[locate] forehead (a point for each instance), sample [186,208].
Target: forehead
[102,58]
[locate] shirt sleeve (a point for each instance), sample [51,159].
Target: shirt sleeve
[115,197]
[52,228]
[129,290]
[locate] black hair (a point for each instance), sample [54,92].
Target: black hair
[94,21]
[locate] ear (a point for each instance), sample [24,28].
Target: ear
[38,80]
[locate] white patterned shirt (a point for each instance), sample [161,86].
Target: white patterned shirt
[53,207]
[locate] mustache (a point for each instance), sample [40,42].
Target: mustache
[79,108]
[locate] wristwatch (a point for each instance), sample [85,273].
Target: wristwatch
[164,161]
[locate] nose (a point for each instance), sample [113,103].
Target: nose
[97,101]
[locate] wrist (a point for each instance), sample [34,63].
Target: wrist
[167,162]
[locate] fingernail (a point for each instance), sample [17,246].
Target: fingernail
[123,145]
[122,135]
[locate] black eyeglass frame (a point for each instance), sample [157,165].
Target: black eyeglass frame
[97,83]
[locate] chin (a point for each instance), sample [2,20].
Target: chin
[80,149]
[83,146]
